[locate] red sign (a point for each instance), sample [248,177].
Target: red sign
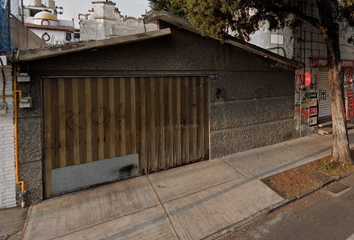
[350,72]
[307,79]
[313,111]
[350,114]
[318,62]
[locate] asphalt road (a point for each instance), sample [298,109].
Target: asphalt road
[322,215]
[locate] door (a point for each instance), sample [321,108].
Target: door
[324,95]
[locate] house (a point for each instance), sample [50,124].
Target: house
[132,105]
[43,21]
[104,20]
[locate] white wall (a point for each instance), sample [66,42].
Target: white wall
[56,37]
[7,158]
[262,38]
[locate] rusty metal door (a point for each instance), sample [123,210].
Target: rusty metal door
[165,120]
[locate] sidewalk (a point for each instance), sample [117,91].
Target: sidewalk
[199,201]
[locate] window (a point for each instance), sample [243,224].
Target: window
[68,37]
[76,35]
[276,39]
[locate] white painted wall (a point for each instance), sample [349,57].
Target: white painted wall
[262,38]
[104,22]
[7,158]
[56,37]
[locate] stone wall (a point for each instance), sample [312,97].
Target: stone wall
[7,157]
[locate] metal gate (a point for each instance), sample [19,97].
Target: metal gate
[165,120]
[324,94]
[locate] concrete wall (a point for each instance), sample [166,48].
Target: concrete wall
[255,107]
[7,159]
[22,37]
[30,142]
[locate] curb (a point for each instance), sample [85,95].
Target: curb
[265,212]
[26,222]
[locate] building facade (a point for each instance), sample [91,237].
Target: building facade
[7,160]
[306,44]
[138,104]
[42,19]
[104,21]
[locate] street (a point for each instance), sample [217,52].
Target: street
[322,215]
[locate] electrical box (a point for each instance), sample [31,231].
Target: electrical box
[4,60]
[23,77]
[25,102]
[3,108]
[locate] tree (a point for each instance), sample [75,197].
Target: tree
[245,17]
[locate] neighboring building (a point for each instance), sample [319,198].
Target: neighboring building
[43,21]
[7,159]
[105,21]
[305,44]
[132,105]
[21,38]
[280,41]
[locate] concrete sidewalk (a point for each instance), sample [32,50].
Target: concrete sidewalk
[199,201]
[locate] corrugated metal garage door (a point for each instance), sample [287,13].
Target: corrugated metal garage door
[165,120]
[324,94]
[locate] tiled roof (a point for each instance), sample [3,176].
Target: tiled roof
[59,28]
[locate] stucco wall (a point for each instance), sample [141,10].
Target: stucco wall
[22,37]
[7,158]
[255,107]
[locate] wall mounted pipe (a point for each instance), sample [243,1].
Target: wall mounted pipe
[17,93]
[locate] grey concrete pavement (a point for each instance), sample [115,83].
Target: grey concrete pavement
[197,201]
[11,222]
[316,217]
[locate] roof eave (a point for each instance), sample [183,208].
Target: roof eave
[182,23]
[82,46]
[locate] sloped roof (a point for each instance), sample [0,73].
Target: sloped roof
[155,16]
[81,46]
[182,23]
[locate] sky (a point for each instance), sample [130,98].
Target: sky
[134,8]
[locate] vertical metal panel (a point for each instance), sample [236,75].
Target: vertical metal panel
[324,94]
[165,120]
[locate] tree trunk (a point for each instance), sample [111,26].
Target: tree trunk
[340,144]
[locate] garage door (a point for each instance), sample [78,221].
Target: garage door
[164,120]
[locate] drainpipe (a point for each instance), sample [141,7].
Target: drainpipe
[14,95]
[17,169]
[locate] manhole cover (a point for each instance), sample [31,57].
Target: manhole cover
[337,188]
[320,177]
